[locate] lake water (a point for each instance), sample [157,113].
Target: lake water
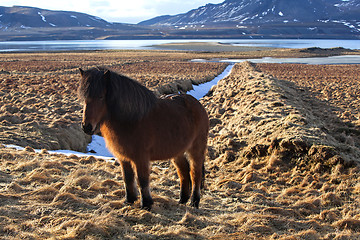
[66,45]
[343,59]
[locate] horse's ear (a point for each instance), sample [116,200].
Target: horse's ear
[81,72]
[107,75]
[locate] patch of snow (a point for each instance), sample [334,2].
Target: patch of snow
[53,25]
[42,17]
[97,19]
[73,16]
[243,20]
[281,14]
[98,146]
[201,90]
[255,16]
[63,152]
[24,27]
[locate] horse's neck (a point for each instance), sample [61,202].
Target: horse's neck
[118,127]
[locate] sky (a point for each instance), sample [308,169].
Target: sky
[124,11]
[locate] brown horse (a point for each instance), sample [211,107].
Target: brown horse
[138,128]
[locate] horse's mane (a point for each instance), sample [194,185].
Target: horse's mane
[126,99]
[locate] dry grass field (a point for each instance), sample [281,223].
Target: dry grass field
[282,160]
[39,106]
[337,85]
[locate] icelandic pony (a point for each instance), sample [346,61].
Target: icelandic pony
[138,128]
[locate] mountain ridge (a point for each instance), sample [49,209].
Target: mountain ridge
[25,16]
[31,23]
[331,19]
[254,11]
[281,18]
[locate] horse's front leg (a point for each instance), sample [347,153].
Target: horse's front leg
[130,183]
[143,174]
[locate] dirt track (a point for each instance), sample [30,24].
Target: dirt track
[282,164]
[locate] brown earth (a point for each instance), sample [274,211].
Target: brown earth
[282,164]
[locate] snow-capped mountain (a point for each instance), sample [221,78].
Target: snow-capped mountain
[263,12]
[19,16]
[268,19]
[29,23]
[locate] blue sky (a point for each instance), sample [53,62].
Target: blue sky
[126,11]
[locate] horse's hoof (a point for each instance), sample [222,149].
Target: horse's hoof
[146,207]
[183,201]
[195,200]
[147,204]
[194,204]
[130,200]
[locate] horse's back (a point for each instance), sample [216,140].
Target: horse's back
[178,121]
[192,106]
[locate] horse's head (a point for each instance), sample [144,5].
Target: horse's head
[92,92]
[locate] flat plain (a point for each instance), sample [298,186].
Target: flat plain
[282,160]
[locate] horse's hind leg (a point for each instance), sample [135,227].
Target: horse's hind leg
[183,170]
[197,159]
[130,184]
[143,174]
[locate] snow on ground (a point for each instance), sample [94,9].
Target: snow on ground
[98,146]
[201,90]
[65,152]
[42,17]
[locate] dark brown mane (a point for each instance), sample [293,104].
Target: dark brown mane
[126,99]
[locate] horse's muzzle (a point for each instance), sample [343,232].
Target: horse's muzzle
[87,128]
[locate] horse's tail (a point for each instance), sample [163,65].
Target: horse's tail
[202,186]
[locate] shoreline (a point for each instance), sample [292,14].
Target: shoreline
[210,47]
